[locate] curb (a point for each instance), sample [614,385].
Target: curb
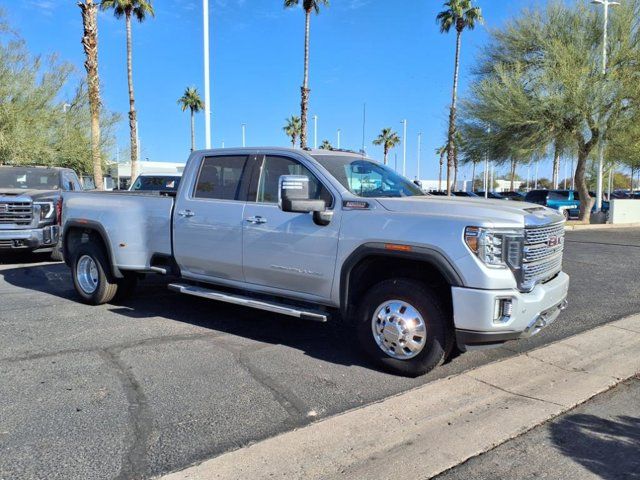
[600,226]
[444,423]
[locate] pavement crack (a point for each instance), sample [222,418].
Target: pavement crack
[518,394]
[568,370]
[134,462]
[622,328]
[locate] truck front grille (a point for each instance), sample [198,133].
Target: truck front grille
[15,213]
[542,254]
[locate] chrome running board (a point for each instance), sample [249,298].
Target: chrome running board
[281,308]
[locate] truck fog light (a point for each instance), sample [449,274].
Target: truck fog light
[503,310]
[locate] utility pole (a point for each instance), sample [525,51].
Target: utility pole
[404,148]
[419,152]
[339,131]
[207,86]
[599,190]
[244,134]
[315,131]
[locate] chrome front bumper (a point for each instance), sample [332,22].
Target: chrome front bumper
[475,312]
[29,239]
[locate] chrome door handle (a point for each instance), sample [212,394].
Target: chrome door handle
[186,213]
[256,220]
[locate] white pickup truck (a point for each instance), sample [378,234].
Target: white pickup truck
[326,235]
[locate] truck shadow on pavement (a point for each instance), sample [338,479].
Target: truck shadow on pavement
[610,449]
[326,342]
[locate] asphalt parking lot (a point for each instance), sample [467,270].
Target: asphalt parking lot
[163,381]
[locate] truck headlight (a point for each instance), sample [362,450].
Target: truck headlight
[496,247]
[46,209]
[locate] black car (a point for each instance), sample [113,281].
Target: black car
[30,204]
[492,195]
[465,194]
[517,196]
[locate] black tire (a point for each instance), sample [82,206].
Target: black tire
[126,286]
[106,287]
[566,214]
[439,334]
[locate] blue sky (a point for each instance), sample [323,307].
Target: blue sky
[389,55]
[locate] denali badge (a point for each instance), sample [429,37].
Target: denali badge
[4,207]
[554,240]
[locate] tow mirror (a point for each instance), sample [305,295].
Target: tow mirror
[294,197]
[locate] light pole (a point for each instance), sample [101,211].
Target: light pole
[244,134]
[606,4]
[315,131]
[419,152]
[207,86]
[404,148]
[339,132]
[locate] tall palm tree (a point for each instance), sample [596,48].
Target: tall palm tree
[140,9]
[292,129]
[308,6]
[461,15]
[90,44]
[388,139]
[191,99]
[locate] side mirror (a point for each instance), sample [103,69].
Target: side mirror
[294,197]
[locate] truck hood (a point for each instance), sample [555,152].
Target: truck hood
[33,194]
[479,211]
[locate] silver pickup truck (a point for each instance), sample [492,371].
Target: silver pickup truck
[325,235]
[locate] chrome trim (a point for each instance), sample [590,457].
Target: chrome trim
[399,329]
[249,302]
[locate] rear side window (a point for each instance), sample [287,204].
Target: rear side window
[220,177]
[558,195]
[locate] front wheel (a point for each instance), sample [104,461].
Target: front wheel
[91,276]
[401,325]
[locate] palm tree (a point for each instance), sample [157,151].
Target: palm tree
[442,151]
[388,139]
[140,9]
[191,99]
[326,145]
[292,129]
[308,7]
[90,44]
[459,14]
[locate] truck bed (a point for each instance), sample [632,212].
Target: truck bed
[137,225]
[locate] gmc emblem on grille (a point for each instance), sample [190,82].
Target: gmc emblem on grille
[554,241]
[4,208]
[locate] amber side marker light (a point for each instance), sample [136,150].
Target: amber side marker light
[397,248]
[471,235]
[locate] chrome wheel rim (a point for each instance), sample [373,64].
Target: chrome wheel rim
[87,274]
[399,329]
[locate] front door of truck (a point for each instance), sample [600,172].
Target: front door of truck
[208,217]
[282,250]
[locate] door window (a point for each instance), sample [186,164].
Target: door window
[220,178]
[274,167]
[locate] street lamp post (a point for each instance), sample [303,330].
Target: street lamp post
[419,152]
[404,148]
[315,131]
[207,86]
[339,132]
[599,190]
[244,134]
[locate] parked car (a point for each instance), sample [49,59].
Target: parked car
[464,194]
[515,196]
[29,207]
[566,202]
[438,193]
[147,182]
[492,195]
[321,235]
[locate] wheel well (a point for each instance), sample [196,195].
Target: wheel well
[75,236]
[374,269]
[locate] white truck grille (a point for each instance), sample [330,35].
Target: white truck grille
[542,254]
[15,213]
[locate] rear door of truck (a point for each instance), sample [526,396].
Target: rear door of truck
[207,225]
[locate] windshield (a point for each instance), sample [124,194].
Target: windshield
[162,183]
[367,178]
[29,178]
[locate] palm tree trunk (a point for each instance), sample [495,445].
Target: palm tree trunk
[386,152]
[304,90]
[440,172]
[473,176]
[556,166]
[584,150]
[193,130]
[133,126]
[90,44]
[452,115]
[513,175]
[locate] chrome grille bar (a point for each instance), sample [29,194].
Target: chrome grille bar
[542,254]
[16,213]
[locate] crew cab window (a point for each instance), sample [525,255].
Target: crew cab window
[70,182]
[220,177]
[558,195]
[274,167]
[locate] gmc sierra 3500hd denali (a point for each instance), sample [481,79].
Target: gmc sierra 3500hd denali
[323,235]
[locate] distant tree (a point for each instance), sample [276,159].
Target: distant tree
[388,139]
[308,6]
[140,9]
[461,15]
[326,145]
[191,100]
[293,129]
[441,152]
[89,11]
